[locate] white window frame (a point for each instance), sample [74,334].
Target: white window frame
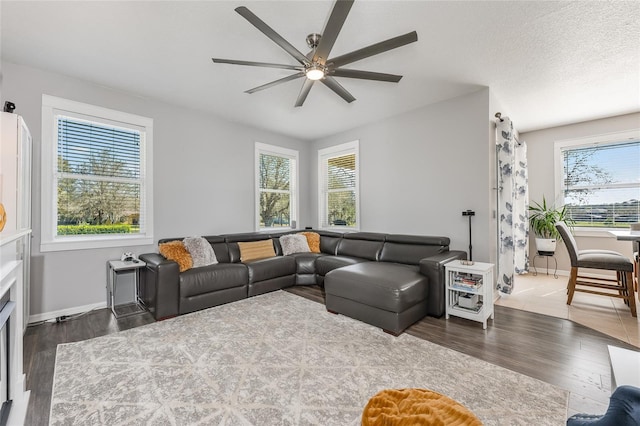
[589,141]
[323,156]
[53,106]
[291,154]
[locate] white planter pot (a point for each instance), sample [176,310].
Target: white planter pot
[546,246]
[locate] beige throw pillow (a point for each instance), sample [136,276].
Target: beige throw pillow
[255,250]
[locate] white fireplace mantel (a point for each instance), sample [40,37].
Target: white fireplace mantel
[11,282]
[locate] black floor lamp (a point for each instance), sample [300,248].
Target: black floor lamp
[469,213]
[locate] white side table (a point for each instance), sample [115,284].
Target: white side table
[124,301]
[469,291]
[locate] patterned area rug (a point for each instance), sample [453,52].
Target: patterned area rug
[276,359]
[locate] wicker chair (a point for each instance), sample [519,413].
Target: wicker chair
[603,260]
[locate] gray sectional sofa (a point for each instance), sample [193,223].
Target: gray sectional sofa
[398,278]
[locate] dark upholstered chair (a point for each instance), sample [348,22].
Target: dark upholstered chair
[598,259]
[624,410]
[636,264]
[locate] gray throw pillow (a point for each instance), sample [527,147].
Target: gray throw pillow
[294,243]
[201,251]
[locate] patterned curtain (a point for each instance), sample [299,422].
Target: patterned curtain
[513,206]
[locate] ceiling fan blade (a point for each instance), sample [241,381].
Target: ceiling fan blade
[332,84]
[257,64]
[373,49]
[269,32]
[276,82]
[366,75]
[332,29]
[306,87]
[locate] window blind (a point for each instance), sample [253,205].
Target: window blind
[89,148]
[601,184]
[98,179]
[340,190]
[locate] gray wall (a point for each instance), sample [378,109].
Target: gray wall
[420,170]
[541,177]
[203,180]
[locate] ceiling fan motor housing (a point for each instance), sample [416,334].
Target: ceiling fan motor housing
[313,40]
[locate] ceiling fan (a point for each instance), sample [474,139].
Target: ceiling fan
[317,65]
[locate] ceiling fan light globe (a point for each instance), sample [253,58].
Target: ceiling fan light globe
[314,73]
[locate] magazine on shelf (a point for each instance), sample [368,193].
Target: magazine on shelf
[468,278]
[465,287]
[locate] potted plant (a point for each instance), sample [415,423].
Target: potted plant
[542,220]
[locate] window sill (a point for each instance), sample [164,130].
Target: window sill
[94,243]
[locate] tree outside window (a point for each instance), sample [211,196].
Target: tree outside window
[98,176]
[601,183]
[276,170]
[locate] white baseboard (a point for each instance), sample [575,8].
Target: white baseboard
[69,311]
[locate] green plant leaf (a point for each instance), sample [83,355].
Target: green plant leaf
[543,218]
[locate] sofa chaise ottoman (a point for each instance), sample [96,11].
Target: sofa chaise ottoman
[387,295]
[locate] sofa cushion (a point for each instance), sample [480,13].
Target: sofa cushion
[212,278]
[366,245]
[219,247]
[274,267]
[306,262]
[389,286]
[294,243]
[201,251]
[326,264]
[255,250]
[329,241]
[176,251]
[410,249]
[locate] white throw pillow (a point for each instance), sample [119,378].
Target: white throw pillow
[294,243]
[201,251]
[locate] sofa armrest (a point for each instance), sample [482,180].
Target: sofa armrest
[433,267]
[160,285]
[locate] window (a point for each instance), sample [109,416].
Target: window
[339,186]
[96,177]
[277,187]
[599,179]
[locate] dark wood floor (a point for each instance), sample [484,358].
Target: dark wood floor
[40,344]
[553,350]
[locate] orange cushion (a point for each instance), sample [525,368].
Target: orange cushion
[313,239]
[415,407]
[256,250]
[176,251]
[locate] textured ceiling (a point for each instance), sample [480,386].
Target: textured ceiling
[548,63]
